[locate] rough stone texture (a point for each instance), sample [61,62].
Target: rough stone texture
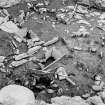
[16,95]
[63,100]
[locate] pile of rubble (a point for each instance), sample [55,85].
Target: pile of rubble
[56,71]
[16,95]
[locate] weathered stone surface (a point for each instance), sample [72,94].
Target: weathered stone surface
[63,100]
[16,95]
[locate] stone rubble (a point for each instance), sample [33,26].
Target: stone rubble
[19,95]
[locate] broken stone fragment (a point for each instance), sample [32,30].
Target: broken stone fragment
[34,42]
[96,100]
[2,20]
[102,84]
[64,100]
[3,70]
[54,40]
[11,27]
[18,63]
[98,78]
[96,88]
[2,58]
[18,39]
[102,94]
[16,51]
[102,16]
[5,12]
[84,22]
[93,50]
[40,4]
[54,85]
[77,48]
[1,64]
[21,17]
[50,91]
[39,43]
[61,72]
[33,50]
[82,9]
[2,67]
[47,2]
[16,95]
[30,43]
[21,56]
[42,10]
[86,95]
[98,83]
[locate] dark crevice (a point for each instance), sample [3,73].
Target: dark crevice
[49,61]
